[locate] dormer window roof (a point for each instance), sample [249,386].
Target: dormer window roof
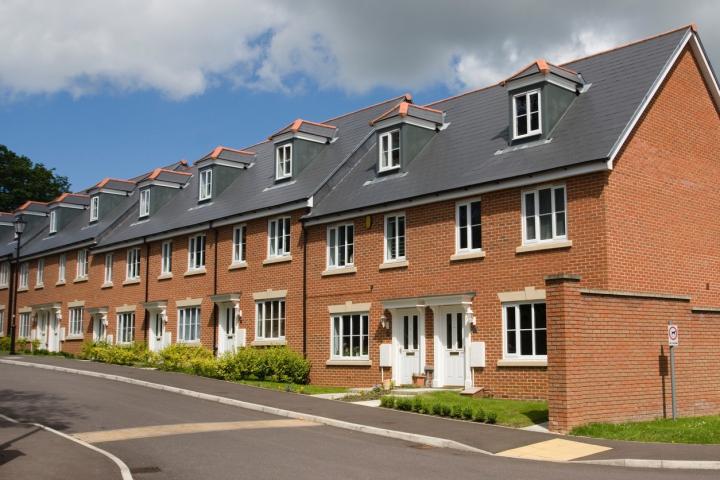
[113,186]
[71,200]
[542,70]
[306,130]
[227,157]
[407,112]
[165,178]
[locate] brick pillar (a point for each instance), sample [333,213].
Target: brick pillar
[563,328]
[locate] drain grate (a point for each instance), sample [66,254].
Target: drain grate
[138,470]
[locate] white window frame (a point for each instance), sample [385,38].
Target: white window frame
[132,266]
[94,208]
[40,273]
[553,212]
[62,262]
[196,255]
[24,327]
[385,161]
[530,132]
[517,355]
[283,161]
[468,234]
[125,328]
[4,274]
[2,322]
[278,313]
[166,258]
[333,251]
[205,184]
[76,322]
[239,244]
[108,269]
[335,336]
[81,269]
[53,221]
[279,242]
[189,325]
[386,240]
[144,203]
[24,275]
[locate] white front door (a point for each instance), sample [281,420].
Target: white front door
[53,338]
[226,331]
[157,331]
[453,344]
[99,330]
[42,329]
[409,338]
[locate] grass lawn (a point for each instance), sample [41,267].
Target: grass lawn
[682,430]
[513,413]
[293,387]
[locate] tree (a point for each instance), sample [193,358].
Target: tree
[22,180]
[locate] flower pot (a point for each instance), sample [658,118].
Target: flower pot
[419,380]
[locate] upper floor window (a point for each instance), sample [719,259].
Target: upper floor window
[394,237]
[108,269]
[4,274]
[196,252]
[94,208]
[133,264]
[390,150]
[81,270]
[544,215]
[166,258]
[525,331]
[238,244]
[340,246]
[526,114]
[279,237]
[468,227]
[144,202]
[53,221]
[283,161]
[24,274]
[206,181]
[61,268]
[40,273]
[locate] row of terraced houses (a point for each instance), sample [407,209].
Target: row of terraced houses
[531,239]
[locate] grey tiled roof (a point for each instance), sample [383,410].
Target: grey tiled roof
[465,154]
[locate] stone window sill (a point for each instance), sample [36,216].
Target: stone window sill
[107,285]
[536,247]
[269,342]
[4,287]
[23,289]
[39,287]
[283,259]
[80,279]
[59,283]
[394,264]
[131,281]
[339,271]
[348,363]
[197,271]
[165,276]
[467,256]
[237,265]
[74,337]
[520,362]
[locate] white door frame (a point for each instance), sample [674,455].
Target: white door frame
[397,314]
[156,344]
[100,319]
[222,336]
[439,341]
[54,320]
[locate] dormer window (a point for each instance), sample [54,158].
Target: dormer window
[526,114]
[144,203]
[390,150]
[94,208]
[283,161]
[53,221]
[205,184]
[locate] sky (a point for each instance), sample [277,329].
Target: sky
[114,88]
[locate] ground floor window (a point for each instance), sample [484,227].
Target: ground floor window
[126,327]
[24,331]
[350,336]
[189,324]
[270,316]
[525,330]
[2,323]
[76,321]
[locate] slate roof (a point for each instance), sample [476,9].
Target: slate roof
[407,109]
[466,153]
[544,67]
[306,126]
[72,199]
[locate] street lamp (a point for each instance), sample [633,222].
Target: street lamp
[19,225]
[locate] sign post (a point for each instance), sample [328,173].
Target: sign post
[673,341]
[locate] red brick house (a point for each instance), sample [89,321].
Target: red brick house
[533,239]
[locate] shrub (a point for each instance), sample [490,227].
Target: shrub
[467,412]
[456,411]
[185,358]
[417,405]
[445,410]
[279,364]
[478,415]
[491,417]
[387,401]
[436,408]
[404,403]
[133,354]
[5,344]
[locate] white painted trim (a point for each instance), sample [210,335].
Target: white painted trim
[278,259]
[516,358]
[555,175]
[539,246]
[530,133]
[706,70]
[348,265]
[337,362]
[538,78]
[466,253]
[262,214]
[389,134]
[430,301]
[118,246]
[521,362]
[398,259]
[399,120]
[302,136]
[536,195]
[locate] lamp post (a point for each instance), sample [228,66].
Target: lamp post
[19,225]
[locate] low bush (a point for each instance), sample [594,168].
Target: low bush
[187,358]
[278,364]
[491,417]
[387,401]
[478,415]
[133,354]
[428,404]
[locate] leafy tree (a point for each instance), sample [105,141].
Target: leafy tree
[22,180]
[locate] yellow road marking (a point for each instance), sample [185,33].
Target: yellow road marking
[185,428]
[556,449]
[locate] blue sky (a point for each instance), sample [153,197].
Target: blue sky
[96,89]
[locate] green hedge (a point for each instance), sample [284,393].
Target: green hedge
[22,345]
[278,364]
[432,406]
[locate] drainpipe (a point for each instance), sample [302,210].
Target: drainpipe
[304,294]
[147,289]
[215,283]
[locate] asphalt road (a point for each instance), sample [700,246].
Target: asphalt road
[245,444]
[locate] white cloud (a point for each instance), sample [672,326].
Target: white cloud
[183,47]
